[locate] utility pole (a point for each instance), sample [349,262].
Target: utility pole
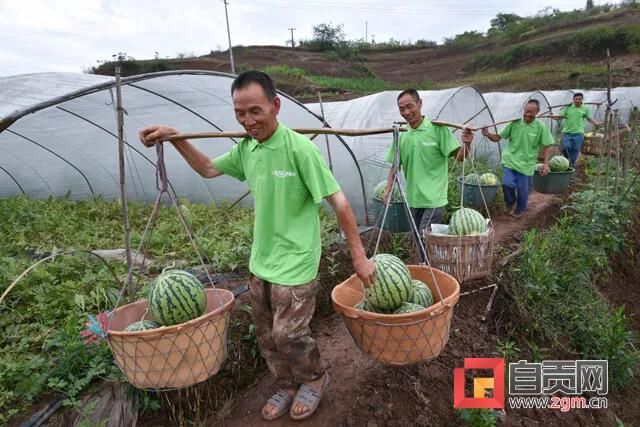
[292,42]
[366,32]
[233,67]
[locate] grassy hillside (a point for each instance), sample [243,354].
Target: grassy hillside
[552,51]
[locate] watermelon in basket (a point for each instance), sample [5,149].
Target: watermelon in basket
[189,346]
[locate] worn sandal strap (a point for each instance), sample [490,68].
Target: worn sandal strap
[280,399]
[308,396]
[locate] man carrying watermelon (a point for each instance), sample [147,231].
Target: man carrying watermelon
[526,136]
[289,179]
[424,150]
[573,130]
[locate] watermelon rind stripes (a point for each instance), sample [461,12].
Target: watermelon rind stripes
[176,297]
[408,307]
[367,306]
[488,179]
[392,283]
[558,164]
[466,222]
[142,325]
[378,192]
[421,294]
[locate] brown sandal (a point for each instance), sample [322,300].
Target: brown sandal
[282,401]
[310,398]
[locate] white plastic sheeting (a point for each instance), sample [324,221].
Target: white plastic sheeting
[28,90]
[458,105]
[70,146]
[623,103]
[633,93]
[506,106]
[558,99]
[380,110]
[58,131]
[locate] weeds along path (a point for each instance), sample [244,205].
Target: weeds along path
[365,393]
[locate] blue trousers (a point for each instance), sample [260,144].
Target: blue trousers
[515,187]
[571,146]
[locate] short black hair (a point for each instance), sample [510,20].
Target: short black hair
[535,102]
[578,94]
[414,94]
[254,76]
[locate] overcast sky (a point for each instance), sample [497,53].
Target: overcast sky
[72,35]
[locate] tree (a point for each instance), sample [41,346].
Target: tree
[503,21]
[589,4]
[327,37]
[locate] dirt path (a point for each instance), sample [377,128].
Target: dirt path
[365,393]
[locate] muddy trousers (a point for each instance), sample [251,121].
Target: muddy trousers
[281,315]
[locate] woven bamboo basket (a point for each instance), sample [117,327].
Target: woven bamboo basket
[593,145]
[463,257]
[400,339]
[174,356]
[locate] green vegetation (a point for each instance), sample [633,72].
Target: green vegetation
[42,316]
[479,165]
[330,84]
[533,77]
[558,303]
[591,43]
[477,417]
[367,85]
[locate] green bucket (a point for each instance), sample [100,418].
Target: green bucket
[553,182]
[473,194]
[396,221]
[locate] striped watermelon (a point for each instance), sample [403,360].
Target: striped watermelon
[378,192]
[467,222]
[408,307]
[488,179]
[392,285]
[176,297]
[472,178]
[421,294]
[367,306]
[558,164]
[142,325]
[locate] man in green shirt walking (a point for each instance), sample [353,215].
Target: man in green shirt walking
[424,150]
[289,179]
[526,136]
[574,116]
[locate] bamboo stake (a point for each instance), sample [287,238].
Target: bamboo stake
[326,138]
[491,299]
[479,289]
[615,186]
[608,151]
[123,193]
[609,133]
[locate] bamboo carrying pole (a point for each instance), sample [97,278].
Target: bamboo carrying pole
[332,131]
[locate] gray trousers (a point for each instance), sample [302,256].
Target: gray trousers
[423,218]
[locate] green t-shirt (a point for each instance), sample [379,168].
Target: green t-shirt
[423,157]
[574,118]
[288,178]
[525,141]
